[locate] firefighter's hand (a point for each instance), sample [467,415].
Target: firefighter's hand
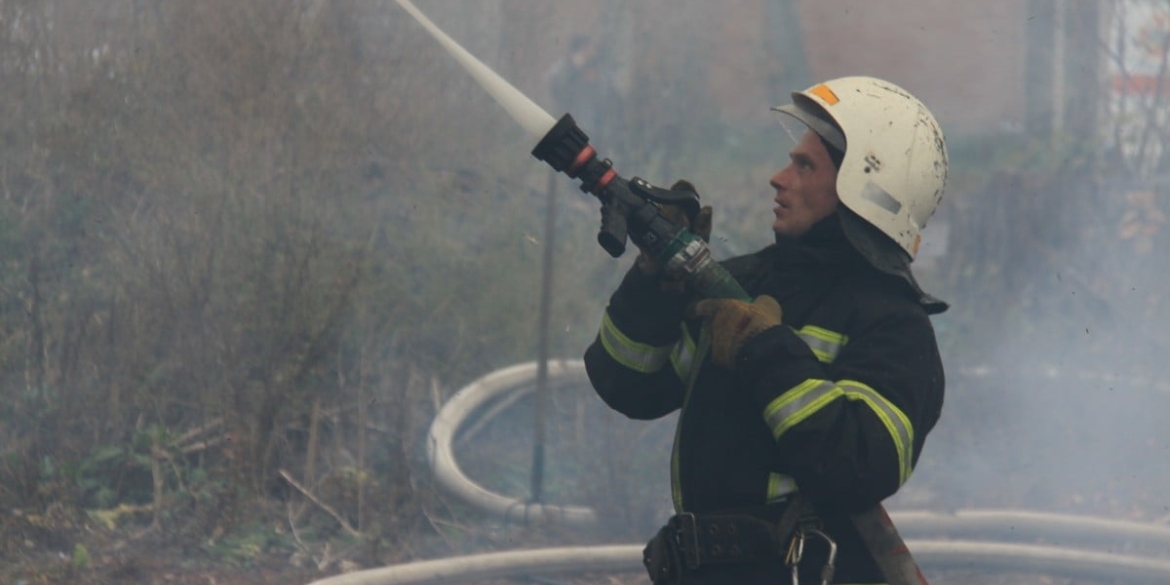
[734,322]
[700,224]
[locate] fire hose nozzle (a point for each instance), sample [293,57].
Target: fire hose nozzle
[564,147]
[630,209]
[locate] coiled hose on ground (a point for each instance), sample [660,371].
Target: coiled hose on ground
[986,540]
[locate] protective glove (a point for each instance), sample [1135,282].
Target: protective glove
[700,224]
[733,323]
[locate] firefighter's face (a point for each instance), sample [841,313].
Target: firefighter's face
[806,189]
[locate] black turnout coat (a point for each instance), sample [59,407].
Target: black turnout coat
[835,403]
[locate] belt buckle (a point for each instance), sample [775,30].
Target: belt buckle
[686,536]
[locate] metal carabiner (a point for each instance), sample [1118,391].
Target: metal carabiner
[795,553]
[831,560]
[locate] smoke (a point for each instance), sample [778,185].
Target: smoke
[1046,244]
[1056,348]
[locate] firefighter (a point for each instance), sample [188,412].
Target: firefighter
[810,403]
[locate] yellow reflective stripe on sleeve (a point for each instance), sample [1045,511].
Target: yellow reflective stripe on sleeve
[779,487]
[824,344]
[701,349]
[799,403]
[897,423]
[640,357]
[682,358]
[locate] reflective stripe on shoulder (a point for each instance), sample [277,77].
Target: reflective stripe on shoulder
[682,358]
[896,422]
[779,487]
[825,344]
[799,403]
[640,357]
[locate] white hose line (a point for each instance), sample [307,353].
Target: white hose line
[936,555]
[997,525]
[476,568]
[454,481]
[933,555]
[1022,526]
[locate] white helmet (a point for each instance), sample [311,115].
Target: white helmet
[895,165]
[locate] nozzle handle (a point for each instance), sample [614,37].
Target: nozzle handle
[614,229]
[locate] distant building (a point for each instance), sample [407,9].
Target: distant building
[984,67]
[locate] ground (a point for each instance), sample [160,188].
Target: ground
[116,559]
[58,546]
[138,557]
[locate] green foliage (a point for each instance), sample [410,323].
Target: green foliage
[96,476]
[980,155]
[80,559]
[248,544]
[204,253]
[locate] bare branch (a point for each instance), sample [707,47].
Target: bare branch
[324,507]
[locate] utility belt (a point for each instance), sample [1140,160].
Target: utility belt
[689,541]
